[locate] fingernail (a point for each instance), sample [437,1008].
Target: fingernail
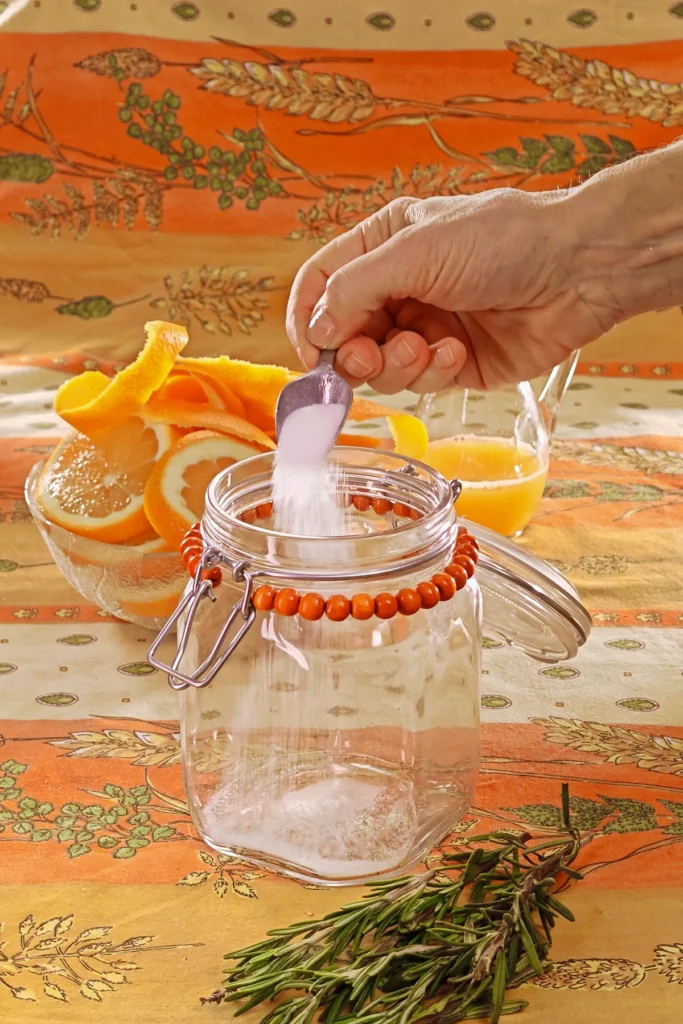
[402,355]
[444,357]
[355,366]
[321,329]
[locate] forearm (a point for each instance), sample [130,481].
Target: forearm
[627,226]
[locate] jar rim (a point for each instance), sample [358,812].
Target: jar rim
[376,473]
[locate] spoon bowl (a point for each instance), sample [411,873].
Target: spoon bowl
[321,386]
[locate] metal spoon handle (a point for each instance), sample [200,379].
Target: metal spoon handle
[327,357]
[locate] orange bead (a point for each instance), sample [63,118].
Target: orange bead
[458,575]
[337,608]
[214,574]
[469,552]
[190,541]
[414,514]
[361,502]
[311,607]
[467,542]
[445,584]
[386,606]
[409,601]
[381,506]
[249,516]
[192,563]
[362,606]
[466,562]
[401,510]
[429,594]
[286,602]
[194,552]
[264,598]
[264,510]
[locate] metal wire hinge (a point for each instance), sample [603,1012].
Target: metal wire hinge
[189,605]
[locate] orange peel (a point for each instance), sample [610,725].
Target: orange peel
[187,414]
[256,385]
[92,402]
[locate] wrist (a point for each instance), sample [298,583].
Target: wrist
[626,226]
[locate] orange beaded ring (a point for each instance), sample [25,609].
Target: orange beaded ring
[408,600]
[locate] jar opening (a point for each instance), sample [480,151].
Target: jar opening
[376,540]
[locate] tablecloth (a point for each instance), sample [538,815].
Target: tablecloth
[111,908]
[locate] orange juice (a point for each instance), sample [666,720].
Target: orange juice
[502,482]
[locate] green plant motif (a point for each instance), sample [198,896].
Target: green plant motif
[238,173]
[555,154]
[481,21]
[638,704]
[91,964]
[382,21]
[608,815]
[282,17]
[562,489]
[583,18]
[185,11]
[123,823]
[676,829]
[91,307]
[226,875]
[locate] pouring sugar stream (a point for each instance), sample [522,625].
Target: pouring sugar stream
[309,416]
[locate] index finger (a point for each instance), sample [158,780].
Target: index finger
[311,281]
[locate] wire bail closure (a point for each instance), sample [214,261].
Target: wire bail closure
[217,657]
[243,607]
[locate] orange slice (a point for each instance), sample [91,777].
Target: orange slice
[174,494]
[409,434]
[96,490]
[186,414]
[92,402]
[148,542]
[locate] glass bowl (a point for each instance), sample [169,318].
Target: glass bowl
[137,586]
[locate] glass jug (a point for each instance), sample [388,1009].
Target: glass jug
[329,687]
[497,443]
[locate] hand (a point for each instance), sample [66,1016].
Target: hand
[480,291]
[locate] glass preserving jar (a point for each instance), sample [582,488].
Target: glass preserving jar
[329,716]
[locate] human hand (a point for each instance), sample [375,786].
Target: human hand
[480,290]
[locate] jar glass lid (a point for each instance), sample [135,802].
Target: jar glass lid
[528,604]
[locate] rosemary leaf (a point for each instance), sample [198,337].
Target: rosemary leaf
[436,948]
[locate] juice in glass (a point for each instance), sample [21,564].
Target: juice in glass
[502,480]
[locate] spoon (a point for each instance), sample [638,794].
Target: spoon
[322,386]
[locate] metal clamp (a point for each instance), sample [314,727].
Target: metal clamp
[218,656]
[456,489]
[244,608]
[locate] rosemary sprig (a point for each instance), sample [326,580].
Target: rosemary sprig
[435,948]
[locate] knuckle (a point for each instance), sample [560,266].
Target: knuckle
[338,289]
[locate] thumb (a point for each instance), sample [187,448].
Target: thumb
[365,285]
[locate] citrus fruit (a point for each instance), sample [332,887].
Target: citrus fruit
[174,494]
[92,402]
[409,434]
[95,490]
[187,414]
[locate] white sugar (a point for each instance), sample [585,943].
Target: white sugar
[335,827]
[305,485]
